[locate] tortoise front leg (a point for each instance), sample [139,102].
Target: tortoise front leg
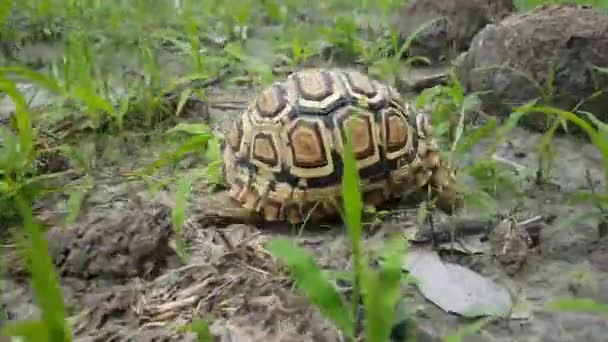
[219,209]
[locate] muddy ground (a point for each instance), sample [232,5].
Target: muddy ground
[242,287]
[123,281]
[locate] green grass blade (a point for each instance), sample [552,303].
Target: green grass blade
[44,278]
[178,214]
[23,123]
[10,88]
[353,203]
[5,11]
[183,98]
[195,143]
[35,77]
[74,206]
[214,156]
[353,209]
[468,330]
[382,292]
[190,128]
[596,138]
[201,328]
[578,305]
[311,281]
[30,330]
[410,39]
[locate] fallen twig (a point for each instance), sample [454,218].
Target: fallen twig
[518,167]
[456,228]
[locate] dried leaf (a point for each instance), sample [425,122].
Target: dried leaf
[457,289]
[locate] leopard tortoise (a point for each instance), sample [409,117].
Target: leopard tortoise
[283,156]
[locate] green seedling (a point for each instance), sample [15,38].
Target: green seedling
[261,71]
[178,214]
[388,68]
[596,135]
[599,137]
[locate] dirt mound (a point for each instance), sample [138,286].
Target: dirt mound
[229,278]
[569,40]
[464,19]
[123,243]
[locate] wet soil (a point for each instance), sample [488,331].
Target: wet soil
[124,281]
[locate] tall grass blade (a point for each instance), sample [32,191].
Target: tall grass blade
[34,77]
[178,214]
[45,283]
[468,330]
[313,283]
[382,293]
[578,305]
[594,135]
[353,201]
[353,209]
[5,11]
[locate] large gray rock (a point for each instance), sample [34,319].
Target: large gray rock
[444,39]
[570,40]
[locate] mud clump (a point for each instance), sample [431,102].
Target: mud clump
[445,38]
[119,244]
[564,43]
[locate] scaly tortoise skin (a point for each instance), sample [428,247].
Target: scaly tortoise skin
[283,156]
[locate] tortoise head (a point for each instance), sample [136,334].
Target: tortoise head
[441,181]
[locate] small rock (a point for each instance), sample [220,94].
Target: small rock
[131,242]
[568,39]
[510,244]
[446,38]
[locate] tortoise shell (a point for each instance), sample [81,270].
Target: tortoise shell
[283,157]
